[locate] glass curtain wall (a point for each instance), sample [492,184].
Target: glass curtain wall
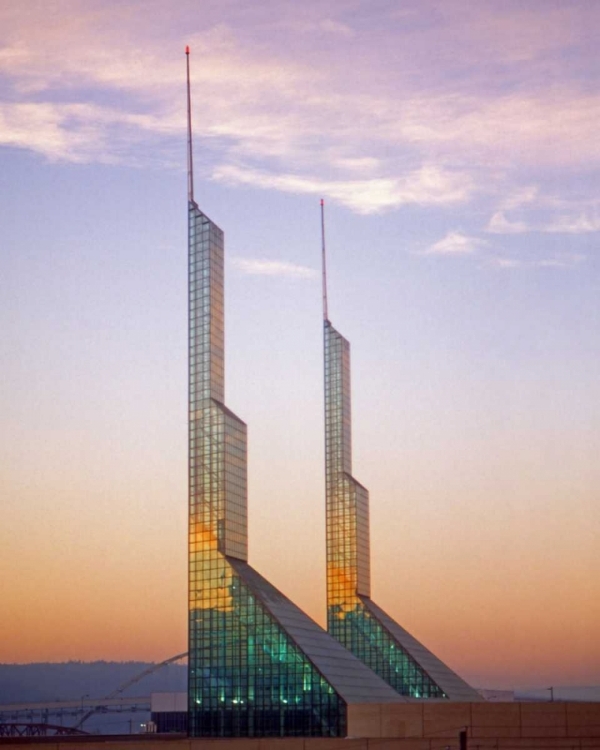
[347,523]
[246,675]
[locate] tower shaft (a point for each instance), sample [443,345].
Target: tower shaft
[352,617]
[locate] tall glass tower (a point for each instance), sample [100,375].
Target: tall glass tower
[258,666]
[353,618]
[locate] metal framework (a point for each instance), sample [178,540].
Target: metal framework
[21,729]
[122,688]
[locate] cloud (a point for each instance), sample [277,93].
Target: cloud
[362,165]
[499,224]
[505,263]
[536,212]
[337,28]
[511,33]
[277,111]
[264,267]
[559,260]
[521,197]
[426,186]
[581,224]
[455,243]
[554,127]
[78,132]
[565,224]
[313,26]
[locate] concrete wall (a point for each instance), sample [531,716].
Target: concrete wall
[482,720]
[168,702]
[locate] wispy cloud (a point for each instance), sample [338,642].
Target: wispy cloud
[574,223]
[426,186]
[314,26]
[559,260]
[499,224]
[505,263]
[330,26]
[581,224]
[455,243]
[521,196]
[277,112]
[264,267]
[78,132]
[533,211]
[514,34]
[364,165]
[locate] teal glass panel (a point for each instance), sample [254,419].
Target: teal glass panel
[247,677]
[347,528]
[360,632]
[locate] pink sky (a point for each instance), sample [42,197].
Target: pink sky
[456,146]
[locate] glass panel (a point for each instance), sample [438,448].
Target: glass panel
[347,525]
[247,678]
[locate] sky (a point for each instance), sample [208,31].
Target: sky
[455,145]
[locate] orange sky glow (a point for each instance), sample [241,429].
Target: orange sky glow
[457,151]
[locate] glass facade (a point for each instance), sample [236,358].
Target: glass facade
[362,633]
[250,679]
[217,438]
[247,676]
[349,618]
[347,517]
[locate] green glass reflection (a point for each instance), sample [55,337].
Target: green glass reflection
[347,527]
[247,678]
[360,632]
[245,675]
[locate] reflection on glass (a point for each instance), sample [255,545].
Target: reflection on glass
[347,517]
[249,679]
[246,676]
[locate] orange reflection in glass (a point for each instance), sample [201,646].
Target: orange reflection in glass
[211,580]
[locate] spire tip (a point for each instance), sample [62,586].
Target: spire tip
[324,261]
[190,158]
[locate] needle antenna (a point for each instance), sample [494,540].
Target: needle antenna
[324,260]
[190,157]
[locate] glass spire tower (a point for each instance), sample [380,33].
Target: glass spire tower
[258,666]
[352,616]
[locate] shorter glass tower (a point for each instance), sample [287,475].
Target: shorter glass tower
[352,617]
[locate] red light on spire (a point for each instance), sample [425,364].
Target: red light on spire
[322,202]
[187,50]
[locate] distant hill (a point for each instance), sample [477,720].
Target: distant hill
[71,680]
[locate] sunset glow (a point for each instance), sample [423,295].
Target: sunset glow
[456,147]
